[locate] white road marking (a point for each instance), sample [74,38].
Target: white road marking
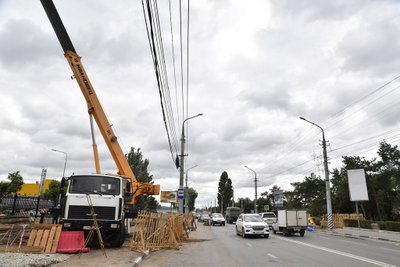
[395,250]
[345,254]
[250,245]
[272,256]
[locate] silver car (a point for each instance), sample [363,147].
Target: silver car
[251,224]
[217,218]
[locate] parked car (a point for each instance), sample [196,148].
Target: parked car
[217,218]
[251,224]
[269,217]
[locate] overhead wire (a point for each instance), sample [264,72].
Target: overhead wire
[154,33]
[331,118]
[173,61]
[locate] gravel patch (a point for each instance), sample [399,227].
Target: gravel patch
[30,260]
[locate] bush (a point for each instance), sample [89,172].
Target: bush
[388,225]
[393,226]
[353,223]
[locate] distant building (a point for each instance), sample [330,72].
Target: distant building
[32,190]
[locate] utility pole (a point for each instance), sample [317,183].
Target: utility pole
[255,188]
[327,182]
[181,191]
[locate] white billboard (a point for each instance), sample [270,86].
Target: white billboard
[357,185]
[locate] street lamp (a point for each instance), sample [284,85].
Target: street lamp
[66,158]
[182,162]
[327,183]
[187,191]
[255,188]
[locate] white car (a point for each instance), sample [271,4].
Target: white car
[217,218]
[251,224]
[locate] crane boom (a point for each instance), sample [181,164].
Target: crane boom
[94,106]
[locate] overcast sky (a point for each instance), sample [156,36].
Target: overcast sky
[255,67]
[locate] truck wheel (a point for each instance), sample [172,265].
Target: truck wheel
[302,233]
[118,238]
[285,232]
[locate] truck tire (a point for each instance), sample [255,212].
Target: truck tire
[118,238]
[302,231]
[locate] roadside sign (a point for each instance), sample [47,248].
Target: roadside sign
[168,196]
[181,193]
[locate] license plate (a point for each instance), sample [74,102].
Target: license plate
[296,228]
[87,227]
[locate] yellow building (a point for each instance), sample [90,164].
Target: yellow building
[32,190]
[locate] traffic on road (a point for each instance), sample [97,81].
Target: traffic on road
[223,247]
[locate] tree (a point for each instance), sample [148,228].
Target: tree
[12,187]
[52,192]
[225,191]
[310,194]
[246,204]
[139,167]
[192,198]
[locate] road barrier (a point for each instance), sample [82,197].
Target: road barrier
[338,219]
[154,231]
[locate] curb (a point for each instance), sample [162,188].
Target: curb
[139,259]
[364,236]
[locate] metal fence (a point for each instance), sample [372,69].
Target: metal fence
[12,204]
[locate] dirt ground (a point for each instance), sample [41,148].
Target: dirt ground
[116,257]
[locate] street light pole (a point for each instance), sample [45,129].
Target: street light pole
[66,158]
[255,188]
[327,183]
[187,191]
[182,162]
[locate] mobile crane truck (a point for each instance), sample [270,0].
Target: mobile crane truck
[113,197]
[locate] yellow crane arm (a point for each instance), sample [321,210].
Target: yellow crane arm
[94,106]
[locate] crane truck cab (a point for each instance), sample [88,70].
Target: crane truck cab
[107,195]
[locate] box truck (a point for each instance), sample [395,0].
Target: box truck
[290,222]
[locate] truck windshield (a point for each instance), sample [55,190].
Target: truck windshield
[101,185]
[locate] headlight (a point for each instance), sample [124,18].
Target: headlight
[247,226]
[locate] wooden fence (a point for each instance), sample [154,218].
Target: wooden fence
[154,231]
[338,219]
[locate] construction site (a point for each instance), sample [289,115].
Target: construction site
[91,211]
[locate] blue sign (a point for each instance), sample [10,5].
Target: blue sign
[181,193]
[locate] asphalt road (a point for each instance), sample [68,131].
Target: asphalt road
[225,248]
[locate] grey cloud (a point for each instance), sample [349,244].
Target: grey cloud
[23,43]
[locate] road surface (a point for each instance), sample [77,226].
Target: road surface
[225,248]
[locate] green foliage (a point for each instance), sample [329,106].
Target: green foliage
[367,224]
[246,204]
[392,226]
[12,187]
[383,185]
[139,167]
[192,198]
[308,194]
[225,191]
[52,192]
